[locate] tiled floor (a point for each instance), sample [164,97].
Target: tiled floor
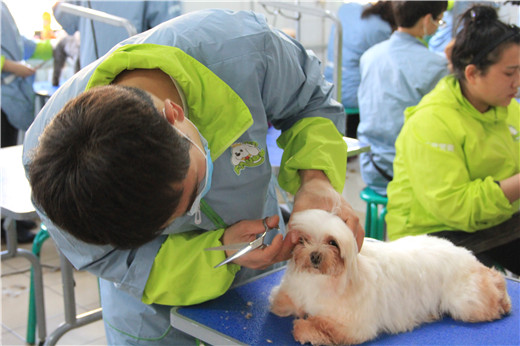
[15,300]
[15,286]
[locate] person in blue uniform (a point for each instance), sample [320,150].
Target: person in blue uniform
[396,74]
[158,150]
[17,92]
[363,27]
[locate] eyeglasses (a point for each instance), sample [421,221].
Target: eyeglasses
[439,23]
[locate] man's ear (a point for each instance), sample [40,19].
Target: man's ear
[427,18]
[471,73]
[173,112]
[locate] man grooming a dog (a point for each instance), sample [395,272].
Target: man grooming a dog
[133,171]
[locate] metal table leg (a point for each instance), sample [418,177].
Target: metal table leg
[71,320]
[11,252]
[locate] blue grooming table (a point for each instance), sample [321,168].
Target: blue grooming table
[242,317]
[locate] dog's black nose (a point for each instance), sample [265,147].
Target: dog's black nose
[315,258]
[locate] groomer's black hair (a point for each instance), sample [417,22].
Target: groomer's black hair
[109,168]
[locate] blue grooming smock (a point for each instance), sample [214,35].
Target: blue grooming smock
[279,83]
[17,94]
[395,74]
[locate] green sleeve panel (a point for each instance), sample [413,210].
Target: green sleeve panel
[183,273]
[2,60]
[453,197]
[43,50]
[312,143]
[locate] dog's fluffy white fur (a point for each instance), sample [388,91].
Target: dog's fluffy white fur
[342,297]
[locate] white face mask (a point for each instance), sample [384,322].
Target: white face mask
[439,24]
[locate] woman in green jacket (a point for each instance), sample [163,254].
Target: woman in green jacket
[456,171]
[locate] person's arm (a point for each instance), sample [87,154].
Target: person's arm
[447,51]
[17,68]
[511,187]
[183,271]
[312,124]
[440,179]
[171,269]
[69,22]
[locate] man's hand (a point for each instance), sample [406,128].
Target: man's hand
[447,51]
[316,192]
[247,231]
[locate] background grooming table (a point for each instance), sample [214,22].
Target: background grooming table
[242,317]
[16,205]
[355,147]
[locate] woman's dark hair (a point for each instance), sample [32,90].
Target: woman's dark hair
[108,168]
[407,13]
[382,9]
[482,40]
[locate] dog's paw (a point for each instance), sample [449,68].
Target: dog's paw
[491,300]
[281,304]
[321,331]
[496,301]
[304,332]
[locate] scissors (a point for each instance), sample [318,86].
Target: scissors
[243,248]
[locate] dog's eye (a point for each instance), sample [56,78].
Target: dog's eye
[300,240]
[333,243]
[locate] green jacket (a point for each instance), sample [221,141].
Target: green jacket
[448,156]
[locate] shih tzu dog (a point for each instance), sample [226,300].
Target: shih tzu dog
[341,297]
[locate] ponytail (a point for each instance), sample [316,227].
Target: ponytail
[481,40]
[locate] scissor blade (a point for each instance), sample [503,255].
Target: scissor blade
[235,255]
[236,246]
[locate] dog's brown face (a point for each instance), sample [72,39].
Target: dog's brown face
[319,256]
[327,246]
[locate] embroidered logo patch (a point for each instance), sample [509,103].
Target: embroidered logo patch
[246,154]
[443,146]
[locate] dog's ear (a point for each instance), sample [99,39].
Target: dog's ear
[349,252]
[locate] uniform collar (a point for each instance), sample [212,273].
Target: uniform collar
[447,93]
[398,35]
[218,112]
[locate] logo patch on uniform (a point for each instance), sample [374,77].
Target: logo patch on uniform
[245,155]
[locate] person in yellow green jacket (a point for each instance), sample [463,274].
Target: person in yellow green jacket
[157,151]
[457,156]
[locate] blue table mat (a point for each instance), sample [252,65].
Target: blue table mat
[243,314]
